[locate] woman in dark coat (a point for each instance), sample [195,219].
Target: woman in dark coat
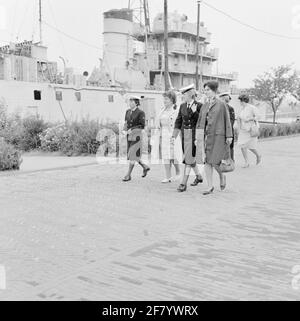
[134,125]
[214,135]
[185,125]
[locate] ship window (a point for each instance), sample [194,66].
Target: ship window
[110,98]
[58,95]
[37,95]
[78,95]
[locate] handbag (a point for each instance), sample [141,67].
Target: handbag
[254,129]
[227,166]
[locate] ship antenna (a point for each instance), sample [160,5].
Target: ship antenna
[40,22]
[167,82]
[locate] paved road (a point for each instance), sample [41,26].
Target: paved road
[81,234]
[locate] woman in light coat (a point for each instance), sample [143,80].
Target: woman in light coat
[247,117]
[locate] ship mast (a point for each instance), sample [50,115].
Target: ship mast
[40,22]
[166,34]
[197,47]
[141,15]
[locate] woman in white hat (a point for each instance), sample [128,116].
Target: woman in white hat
[134,125]
[186,125]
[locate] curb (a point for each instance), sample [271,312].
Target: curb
[19,173]
[278,137]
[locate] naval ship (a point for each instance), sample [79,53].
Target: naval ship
[133,62]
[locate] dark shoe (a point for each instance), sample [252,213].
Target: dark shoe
[223,186]
[209,192]
[181,188]
[198,180]
[127,179]
[145,171]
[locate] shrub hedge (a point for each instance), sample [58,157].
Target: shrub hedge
[10,157]
[23,133]
[271,130]
[88,136]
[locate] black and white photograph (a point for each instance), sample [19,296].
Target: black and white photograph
[149,152]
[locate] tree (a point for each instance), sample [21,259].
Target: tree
[275,84]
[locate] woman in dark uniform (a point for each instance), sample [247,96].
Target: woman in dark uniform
[214,135]
[186,125]
[134,125]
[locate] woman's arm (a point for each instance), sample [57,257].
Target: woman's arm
[178,124]
[227,122]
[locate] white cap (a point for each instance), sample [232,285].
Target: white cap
[186,89]
[227,93]
[132,97]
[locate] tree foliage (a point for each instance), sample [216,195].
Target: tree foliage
[273,85]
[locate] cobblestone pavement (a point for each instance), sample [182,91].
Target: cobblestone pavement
[82,234]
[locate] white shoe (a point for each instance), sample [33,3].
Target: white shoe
[166,180]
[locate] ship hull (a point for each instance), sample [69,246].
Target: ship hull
[55,103]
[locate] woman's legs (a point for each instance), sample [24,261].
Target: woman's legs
[177,167]
[196,171]
[146,169]
[130,169]
[186,174]
[209,175]
[167,164]
[258,156]
[199,178]
[245,155]
[221,176]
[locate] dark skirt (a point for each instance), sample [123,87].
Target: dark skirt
[134,149]
[189,147]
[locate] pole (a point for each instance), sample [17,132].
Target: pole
[40,21]
[197,47]
[167,84]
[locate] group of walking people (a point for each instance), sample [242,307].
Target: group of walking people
[198,132]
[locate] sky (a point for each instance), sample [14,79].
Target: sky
[244,50]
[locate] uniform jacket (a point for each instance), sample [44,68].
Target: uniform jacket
[187,119]
[231,115]
[135,119]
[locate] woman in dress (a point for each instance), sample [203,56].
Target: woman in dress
[248,117]
[170,150]
[214,136]
[134,125]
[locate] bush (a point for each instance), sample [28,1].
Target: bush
[32,128]
[10,158]
[51,138]
[270,130]
[24,134]
[81,137]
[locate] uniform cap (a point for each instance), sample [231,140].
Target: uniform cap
[186,89]
[227,93]
[132,97]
